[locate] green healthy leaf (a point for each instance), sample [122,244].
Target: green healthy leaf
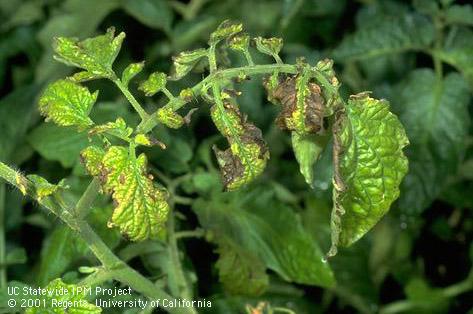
[177,156]
[77,300]
[435,114]
[16,256]
[25,14]
[62,249]
[58,144]
[72,18]
[460,14]
[426,299]
[95,55]
[152,13]
[240,271]
[390,35]
[426,7]
[14,123]
[369,166]
[141,206]
[307,149]
[458,52]
[246,158]
[131,71]
[254,221]
[155,82]
[67,104]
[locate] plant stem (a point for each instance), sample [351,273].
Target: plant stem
[98,277]
[197,233]
[448,292]
[85,202]
[131,99]
[218,75]
[3,266]
[212,59]
[182,200]
[248,58]
[182,284]
[120,271]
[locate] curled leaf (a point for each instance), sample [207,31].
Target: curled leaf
[141,207]
[185,62]
[147,140]
[42,188]
[239,42]
[303,105]
[155,82]
[307,149]
[167,116]
[369,166]
[131,71]
[67,104]
[246,158]
[95,55]
[270,46]
[118,129]
[226,29]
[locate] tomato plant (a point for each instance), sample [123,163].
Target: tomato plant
[241,172]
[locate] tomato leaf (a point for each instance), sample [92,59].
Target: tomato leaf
[95,55]
[369,165]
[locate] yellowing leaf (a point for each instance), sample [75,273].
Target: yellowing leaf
[67,104]
[303,105]
[118,129]
[369,167]
[141,207]
[167,116]
[246,158]
[131,71]
[270,46]
[92,157]
[185,61]
[95,55]
[42,188]
[225,30]
[155,82]
[240,271]
[240,42]
[71,296]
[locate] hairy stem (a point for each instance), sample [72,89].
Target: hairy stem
[120,271]
[87,199]
[218,75]
[131,99]
[182,284]
[448,292]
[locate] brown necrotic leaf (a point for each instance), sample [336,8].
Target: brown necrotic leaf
[303,106]
[246,158]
